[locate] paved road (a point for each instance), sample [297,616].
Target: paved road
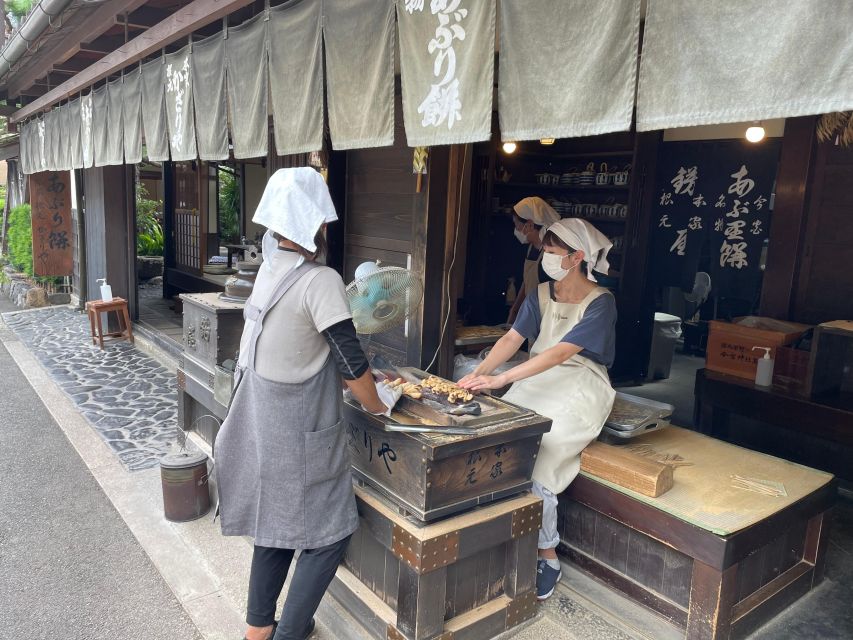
[69,567]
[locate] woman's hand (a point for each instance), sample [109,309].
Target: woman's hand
[477,383]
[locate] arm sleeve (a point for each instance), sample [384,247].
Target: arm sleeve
[325,300]
[346,350]
[595,334]
[529,318]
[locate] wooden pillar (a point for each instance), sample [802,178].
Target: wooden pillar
[796,166]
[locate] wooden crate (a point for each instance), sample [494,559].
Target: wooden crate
[432,475]
[469,577]
[730,346]
[715,587]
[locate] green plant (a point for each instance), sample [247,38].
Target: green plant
[21,239]
[19,8]
[149,228]
[229,207]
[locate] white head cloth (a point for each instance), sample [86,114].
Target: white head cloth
[580,235]
[537,211]
[295,204]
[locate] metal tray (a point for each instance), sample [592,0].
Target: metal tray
[614,436]
[635,415]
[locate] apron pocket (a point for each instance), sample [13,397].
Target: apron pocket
[326,454]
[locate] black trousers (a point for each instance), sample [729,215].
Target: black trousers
[314,571]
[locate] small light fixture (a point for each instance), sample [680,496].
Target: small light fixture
[547,141]
[755,133]
[509,147]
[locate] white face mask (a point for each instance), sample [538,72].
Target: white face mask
[553,266]
[521,237]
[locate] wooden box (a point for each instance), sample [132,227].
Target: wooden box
[212,328]
[831,366]
[432,475]
[730,345]
[714,587]
[469,577]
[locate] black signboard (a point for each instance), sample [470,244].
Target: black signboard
[713,199]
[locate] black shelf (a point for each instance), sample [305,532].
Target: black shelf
[556,187]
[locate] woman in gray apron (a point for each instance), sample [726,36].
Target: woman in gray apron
[570,323]
[530,217]
[282,465]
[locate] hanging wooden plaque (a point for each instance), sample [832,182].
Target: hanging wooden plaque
[50,195]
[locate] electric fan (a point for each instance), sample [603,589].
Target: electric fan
[382,298]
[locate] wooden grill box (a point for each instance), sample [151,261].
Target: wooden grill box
[432,475]
[469,577]
[730,345]
[212,328]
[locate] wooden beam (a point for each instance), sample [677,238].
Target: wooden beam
[69,44]
[178,25]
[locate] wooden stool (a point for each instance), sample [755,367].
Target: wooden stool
[118,305]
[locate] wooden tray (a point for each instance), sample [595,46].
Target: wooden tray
[494,410]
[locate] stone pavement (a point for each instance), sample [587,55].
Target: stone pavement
[127,396]
[71,569]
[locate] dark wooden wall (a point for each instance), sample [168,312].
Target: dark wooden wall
[109,215]
[387,219]
[808,277]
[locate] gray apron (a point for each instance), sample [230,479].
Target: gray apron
[282,464]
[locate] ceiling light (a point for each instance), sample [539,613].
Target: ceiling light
[547,141]
[510,147]
[755,133]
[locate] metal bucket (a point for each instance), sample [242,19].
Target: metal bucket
[186,493]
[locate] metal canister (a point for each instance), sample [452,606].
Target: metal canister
[186,492]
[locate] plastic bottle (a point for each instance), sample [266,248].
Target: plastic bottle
[764,369]
[106,290]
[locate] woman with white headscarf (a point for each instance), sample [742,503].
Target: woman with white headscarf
[531,216]
[570,321]
[282,465]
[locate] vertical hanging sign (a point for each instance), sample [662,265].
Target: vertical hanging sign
[50,194]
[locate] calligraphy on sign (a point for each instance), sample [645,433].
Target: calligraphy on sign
[50,195]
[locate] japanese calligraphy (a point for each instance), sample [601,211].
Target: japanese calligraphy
[496,470]
[664,222]
[733,255]
[471,478]
[695,223]
[756,227]
[680,244]
[699,201]
[742,185]
[666,198]
[719,224]
[443,104]
[685,180]
[500,450]
[474,457]
[86,129]
[387,454]
[177,84]
[738,209]
[51,224]
[759,202]
[721,202]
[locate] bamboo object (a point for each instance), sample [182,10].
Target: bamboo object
[627,469]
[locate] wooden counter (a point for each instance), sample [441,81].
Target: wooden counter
[713,585]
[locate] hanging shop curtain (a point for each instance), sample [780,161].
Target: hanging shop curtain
[99,125]
[209,98]
[25,147]
[87,130]
[75,138]
[725,61]
[154,112]
[41,146]
[64,157]
[447,70]
[179,104]
[49,130]
[131,110]
[567,67]
[296,77]
[359,36]
[246,66]
[115,130]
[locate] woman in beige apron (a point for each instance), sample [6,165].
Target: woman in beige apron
[282,465]
[571,325]
[531,216]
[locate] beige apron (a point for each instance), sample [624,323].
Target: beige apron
[530,275]
[576,395]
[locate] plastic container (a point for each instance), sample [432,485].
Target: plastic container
[667,331]
[764,368]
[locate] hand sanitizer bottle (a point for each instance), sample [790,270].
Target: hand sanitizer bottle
[764,369]
[106,290]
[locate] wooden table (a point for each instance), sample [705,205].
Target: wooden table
[712,586]
[723,401]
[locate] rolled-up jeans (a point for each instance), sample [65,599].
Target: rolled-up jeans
[314,571]
[549,536]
